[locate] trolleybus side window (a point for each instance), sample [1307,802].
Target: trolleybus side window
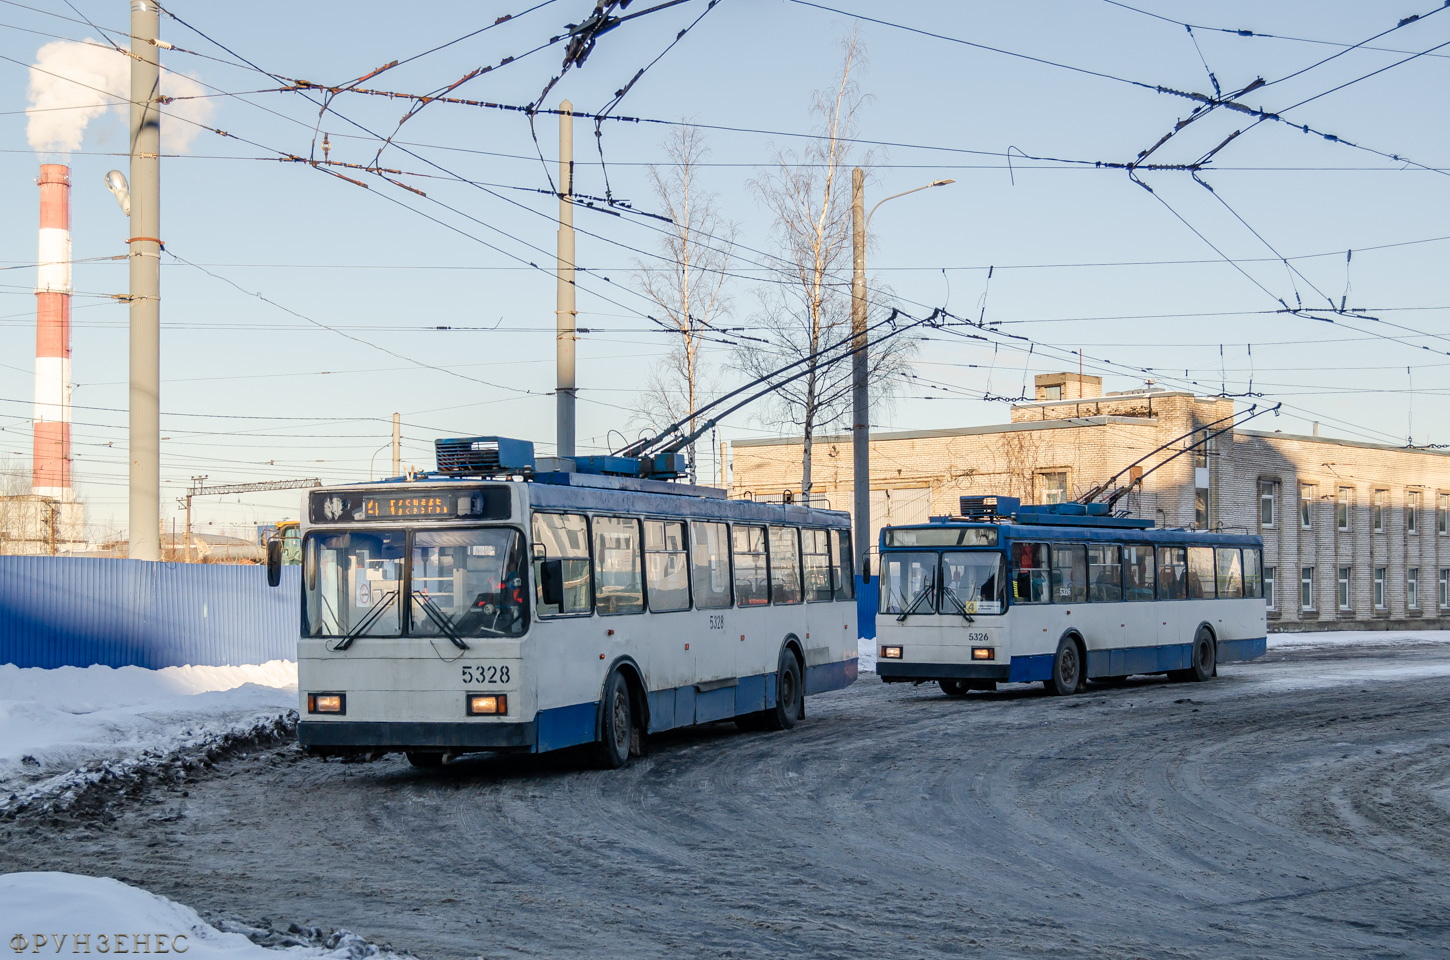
[816,560]
[752,586]
[1172,573]
[1138,564]
[845,565]
[354,583]
[1031,573]
[1105,571]
[1200,573]
[561,564]
[1230,572]
[618,584]
[710,566]
[972,583]
[908,583]
[785,565]
[467,583]
[1253,573]
[667,571]
[1069,573]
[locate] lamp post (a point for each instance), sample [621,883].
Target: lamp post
[860,400]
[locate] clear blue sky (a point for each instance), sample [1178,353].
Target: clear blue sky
[1084,258]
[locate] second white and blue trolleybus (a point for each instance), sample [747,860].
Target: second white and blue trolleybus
[1062,593]
[496,606]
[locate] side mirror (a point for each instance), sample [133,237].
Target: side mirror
[274,563]
[865,569]
[551,582]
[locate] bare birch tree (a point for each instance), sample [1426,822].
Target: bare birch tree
[809,306]
[688,287]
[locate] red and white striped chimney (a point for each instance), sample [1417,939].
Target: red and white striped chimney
[51,466]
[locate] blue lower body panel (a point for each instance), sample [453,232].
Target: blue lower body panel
[1127,660]
[566,726]
[1027,669]
[830,676]
[1233,651]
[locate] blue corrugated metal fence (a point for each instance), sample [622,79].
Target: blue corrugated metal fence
[80,611]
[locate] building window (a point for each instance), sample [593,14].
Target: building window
[1445,586]
[1306,505]
[1306,588]
[1270,600]
[1267,489]
[1344,588]
[1052,486]
[1442,513]
[1377,509]
[1412,588]
[1412,511]
[1052,392]
[1200,508]
[1379,588]
[1341,507]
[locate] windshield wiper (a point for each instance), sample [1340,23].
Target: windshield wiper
[366,623]
[441,619]
[961,607]
[926,591]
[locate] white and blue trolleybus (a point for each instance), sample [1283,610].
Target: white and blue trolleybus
[504,605]
[1062,593]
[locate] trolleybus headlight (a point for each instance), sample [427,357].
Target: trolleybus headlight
[891,653]
[487,704]
[327,703]
[984,653]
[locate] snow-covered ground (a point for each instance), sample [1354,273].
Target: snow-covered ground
[64,913]
[1356,638]
[65,727]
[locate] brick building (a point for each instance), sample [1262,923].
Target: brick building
[1356,535]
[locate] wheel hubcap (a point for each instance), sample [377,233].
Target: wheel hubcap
[621,720]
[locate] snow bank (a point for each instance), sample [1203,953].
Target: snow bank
[1355,638]
[86,689]
[65,730]
[110,914]
[865,655]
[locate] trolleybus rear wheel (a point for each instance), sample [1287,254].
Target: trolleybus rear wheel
[1205,658]
[789,694]
[425,760]
[1067,669]
[616,727]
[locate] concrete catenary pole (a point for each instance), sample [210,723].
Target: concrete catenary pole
[860,398]
[397,445]
[51,460]
[145,260]
[565,313]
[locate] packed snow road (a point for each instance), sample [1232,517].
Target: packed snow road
[1293,807]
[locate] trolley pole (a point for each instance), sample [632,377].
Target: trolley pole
[860,398]
[565,312]
[145,298]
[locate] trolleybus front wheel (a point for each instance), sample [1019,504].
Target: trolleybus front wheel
[1067,669]
[953,688]
[616,728]
[424,759]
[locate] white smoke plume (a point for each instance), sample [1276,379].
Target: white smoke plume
[72,84]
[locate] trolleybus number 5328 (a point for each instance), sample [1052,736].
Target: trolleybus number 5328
[481,673]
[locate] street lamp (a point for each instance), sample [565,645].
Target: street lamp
[860,402]
[373,459]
